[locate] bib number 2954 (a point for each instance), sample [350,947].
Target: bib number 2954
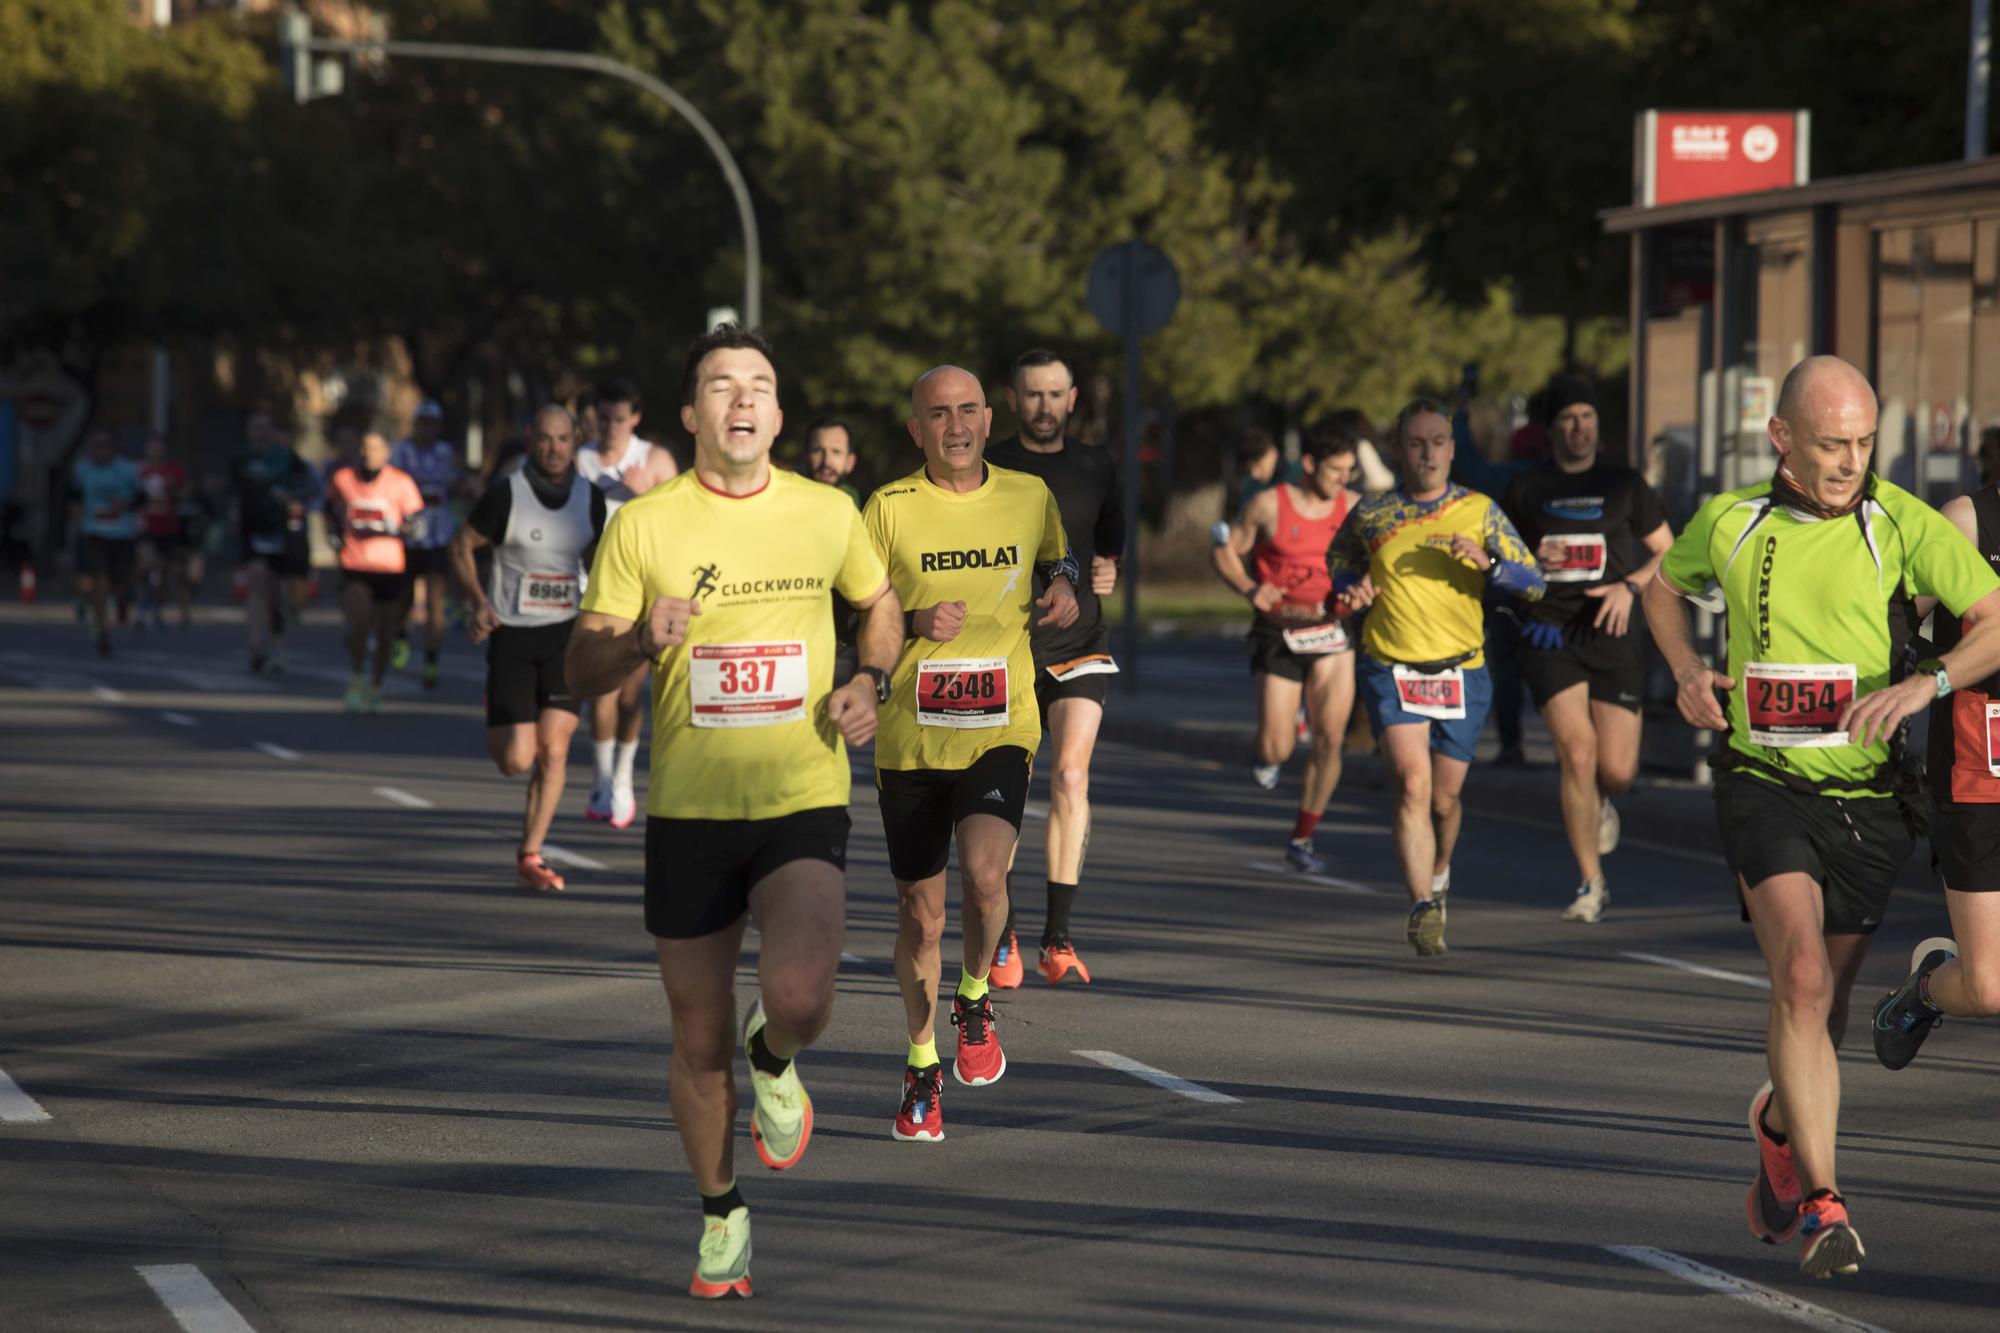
[1796,705]
[964,692]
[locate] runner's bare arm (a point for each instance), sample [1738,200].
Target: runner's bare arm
[1959,510]
[1257,518]
[604,650]
[1874,716]
[483,619]
[878,643]
[1673,634]
[1615,600]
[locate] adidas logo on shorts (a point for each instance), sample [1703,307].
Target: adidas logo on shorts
[994,795]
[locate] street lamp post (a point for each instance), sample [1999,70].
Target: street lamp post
[300,45]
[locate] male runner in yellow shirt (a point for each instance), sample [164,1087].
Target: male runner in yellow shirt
[719,580]
[962,540]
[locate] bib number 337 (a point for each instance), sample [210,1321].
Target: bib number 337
[747,684]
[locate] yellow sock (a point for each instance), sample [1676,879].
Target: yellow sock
[971,987]
[924,1056]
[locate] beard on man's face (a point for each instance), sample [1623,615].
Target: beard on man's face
[1045,428]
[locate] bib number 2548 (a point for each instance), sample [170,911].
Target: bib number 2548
[964,692]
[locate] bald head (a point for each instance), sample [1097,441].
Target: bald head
[949,420]
[1819,382]
[552,440]
[1824,430]
[940,384]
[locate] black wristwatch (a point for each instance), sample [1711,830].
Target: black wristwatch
[881,679]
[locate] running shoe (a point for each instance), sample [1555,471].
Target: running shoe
[399,656]
[430,675]
[371,699]
[275,664]
[1903,1019]
[598,807]
[1425,930]
[1299,855]
[1265,775]
[921,1117]
[534,873]
[781,1121]
[1608,828]
[980,1060]
[724,1266]
[258,661]
[353,700]
[1007,966]
[624,805]
[1059,960]
[1588,904]
[1773,1202]
[1832,1243]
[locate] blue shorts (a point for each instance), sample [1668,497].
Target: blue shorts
[1454,739]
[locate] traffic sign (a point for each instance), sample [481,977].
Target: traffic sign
[1133,288]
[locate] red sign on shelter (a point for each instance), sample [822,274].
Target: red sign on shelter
[1686,155]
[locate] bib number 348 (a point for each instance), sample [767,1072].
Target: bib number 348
[1797,705]
[963,692]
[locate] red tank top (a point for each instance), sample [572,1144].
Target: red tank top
[1965,744]
[1294,556]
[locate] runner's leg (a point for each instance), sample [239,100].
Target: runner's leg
[1329,691]
[1407,746]
[1617,746]
[357,606]
[259,588]
[700,979]
[551,736]
[985,846]
[1969,985]
[1568,714]
[1787,913]
[1447,810]
[1277,717]
[919,928]
[800,910]
[1073,727]
[436,590]
[387,616]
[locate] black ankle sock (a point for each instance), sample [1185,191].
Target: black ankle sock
[722,1205]
[1765,1125]
[430,656]
[761,1058]
[1061,896]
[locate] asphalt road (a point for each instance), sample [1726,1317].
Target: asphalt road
[308,1061]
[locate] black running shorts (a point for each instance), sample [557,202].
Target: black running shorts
[922,807]
[699,872]
[1269,655]
[386,589]
[423,560]
[1853,848]
[524,673]
[108,558]
[1608,664]
[1965,846]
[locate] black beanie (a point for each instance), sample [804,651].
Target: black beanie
[1567,391]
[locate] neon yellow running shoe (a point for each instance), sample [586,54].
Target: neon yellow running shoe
[724,1266]
[781,1121]
[399,656]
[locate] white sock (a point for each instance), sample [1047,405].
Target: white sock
[603,751]
[1441,883]
[627,752]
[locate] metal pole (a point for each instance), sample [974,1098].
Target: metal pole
[1978,70]
[1129,262]
[753,280]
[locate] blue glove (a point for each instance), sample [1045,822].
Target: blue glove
[1542,635]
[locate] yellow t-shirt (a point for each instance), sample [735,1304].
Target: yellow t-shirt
[739,710]
[953,702]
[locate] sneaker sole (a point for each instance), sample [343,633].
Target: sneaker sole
[1835,1250]
[764,1152]
[1752,1205]
[1058,979]
[1428,939]
[1931,945]
[715,1291]
[979,1082]
[900,1137]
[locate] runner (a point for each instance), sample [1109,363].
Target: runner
[542,523]
[1073,664]
[370,506]
[272,486]
[1599,534]
[1816,570]
[1959,974]
[622,466]
[1297,648]
[105,511]
[433,463]
[721,579]
[829,459]
[1419,558]
[162,544]
[961,726]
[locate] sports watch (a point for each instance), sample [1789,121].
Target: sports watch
[1931,666]
[881,679]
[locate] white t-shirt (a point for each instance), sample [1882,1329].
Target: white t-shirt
[609,476]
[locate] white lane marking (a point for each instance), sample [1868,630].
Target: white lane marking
[551,852]
[397,796]
[192,1299]
[275,751]
[16,1106]
[1329,881]
[1035,810]
[109,695]
[1158,1077]
[852,958]
[1764,1298]
[1661,960]
[178,719]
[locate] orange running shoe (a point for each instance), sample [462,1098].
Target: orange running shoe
[1832,1243]
[534,873]
[980,1060]
[920,1119]
[1773,1201]
[1059,960]
[1007,968]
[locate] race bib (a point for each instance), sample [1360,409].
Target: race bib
[1439,695]
[1317,640]
[963,692]
[1797,705]
[547,592]
[267,544]
[746,684]
[1993,738]
[1096,664]
[1581,559]
[368,520]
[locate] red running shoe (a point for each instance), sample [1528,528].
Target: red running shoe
[1832,1243]
[1059,960]
[921,1118]
[534,873]
[980,1060]
[1773,1202]
[1007,967]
